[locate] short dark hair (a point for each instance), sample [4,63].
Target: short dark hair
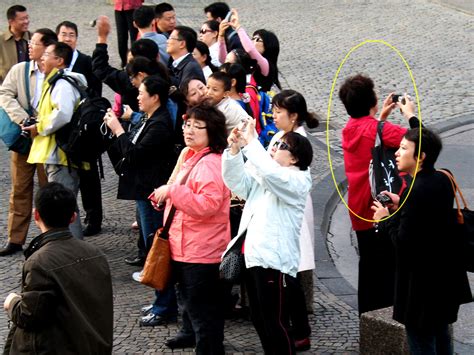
[143,16]
[215,125]
[212,24]
[55,204]
[67,24]
[162,8]
[217,9]
[224,78]
[48,36]
[358,95]
[145,47]
[188,35]
[294,102]
[300,148]
[12,10]
[63,50]
[184,85]
[237,72]
[157,86]
[244,59]
[145,65]
[431,145]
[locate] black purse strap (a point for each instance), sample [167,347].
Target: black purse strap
[164,233]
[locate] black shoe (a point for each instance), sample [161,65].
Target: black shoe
[181,342]
[135,260]
[151,320]
[91,230]
[10,248]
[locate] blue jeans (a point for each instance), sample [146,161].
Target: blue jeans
[150,219]
[432,342]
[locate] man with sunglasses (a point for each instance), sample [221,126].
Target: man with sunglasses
[14,100]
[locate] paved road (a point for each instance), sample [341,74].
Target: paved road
[315,37]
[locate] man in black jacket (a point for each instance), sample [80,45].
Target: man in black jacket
[180,46]
[66,302]
[90,180]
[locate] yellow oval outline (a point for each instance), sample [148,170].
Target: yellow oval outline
[329,117]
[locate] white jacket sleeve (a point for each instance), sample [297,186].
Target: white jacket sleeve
[287,183]
[64,98]
[234,174]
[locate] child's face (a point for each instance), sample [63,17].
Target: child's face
[215,91]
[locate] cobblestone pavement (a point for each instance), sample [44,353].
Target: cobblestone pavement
[436,42]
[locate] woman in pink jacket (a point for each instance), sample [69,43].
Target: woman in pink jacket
[200,231]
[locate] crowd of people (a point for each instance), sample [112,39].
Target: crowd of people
[185,121]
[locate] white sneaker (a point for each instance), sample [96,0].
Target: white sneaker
[146,310]
[137,276]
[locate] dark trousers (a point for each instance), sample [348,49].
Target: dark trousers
[91,194]
[124,23]
[376,270]
[298,313]
[434,342]
[268,293]
[200,298]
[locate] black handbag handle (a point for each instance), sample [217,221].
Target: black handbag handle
[164,233]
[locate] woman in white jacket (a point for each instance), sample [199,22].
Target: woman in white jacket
[290,111]
[275,190]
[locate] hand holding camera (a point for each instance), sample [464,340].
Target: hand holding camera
[28,127]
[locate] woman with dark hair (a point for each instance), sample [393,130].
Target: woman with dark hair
[193,91]
[200,231]
[264,47]
[431,281]
[146,160]
[275,189]
[203,57]
[239,83]
[290,111]
[208,34]
[376,254]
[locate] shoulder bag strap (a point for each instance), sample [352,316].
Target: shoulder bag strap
[456,191]
[170,217]
[27,88]
[378,136]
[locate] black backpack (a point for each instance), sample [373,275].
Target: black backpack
[86,136]
[383,172]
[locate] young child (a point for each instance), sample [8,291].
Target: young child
[218,91]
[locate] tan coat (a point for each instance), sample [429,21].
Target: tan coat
[13,91]
[8,54]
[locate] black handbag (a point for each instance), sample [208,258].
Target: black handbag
[383,172]
[232,265]
[464,225]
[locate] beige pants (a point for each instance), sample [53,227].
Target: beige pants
[21,196]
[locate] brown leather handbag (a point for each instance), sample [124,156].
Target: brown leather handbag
[157,269]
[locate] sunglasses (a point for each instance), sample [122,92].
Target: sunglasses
[257,39]
[203,31]
[280,145]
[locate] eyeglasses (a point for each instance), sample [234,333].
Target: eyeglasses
[257,39]
[204,31]
[34,44]
[47,55]
[190,126]
[280,145]
[176,38]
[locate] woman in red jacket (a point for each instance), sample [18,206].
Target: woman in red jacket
[376,262]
